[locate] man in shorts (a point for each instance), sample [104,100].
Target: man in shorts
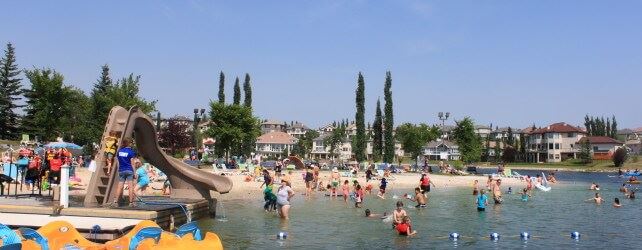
[126,156]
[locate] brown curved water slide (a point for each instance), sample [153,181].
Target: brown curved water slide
[186,181]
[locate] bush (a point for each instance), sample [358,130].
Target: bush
[619,157]
[634,159]
[459,165]
[509,154]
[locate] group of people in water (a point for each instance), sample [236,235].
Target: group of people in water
[629,193]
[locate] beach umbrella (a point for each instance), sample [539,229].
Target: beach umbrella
[62,144]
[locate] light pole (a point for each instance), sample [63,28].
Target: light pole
[443,117]
[197,119]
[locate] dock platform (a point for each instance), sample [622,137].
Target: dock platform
[113,222]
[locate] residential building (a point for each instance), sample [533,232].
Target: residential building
[554,143]
[632,138]
[442,150]
[297,129]
[602,147]
[269,125]
[502,134]
[319,149]
[483,131]
[273,144]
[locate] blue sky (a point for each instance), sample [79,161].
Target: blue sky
[510,63]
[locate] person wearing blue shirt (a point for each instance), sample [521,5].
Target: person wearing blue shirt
[125,156]
[482,201]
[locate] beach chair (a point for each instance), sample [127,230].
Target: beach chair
[30,234]
[145,233]
[190,228]
[10,239]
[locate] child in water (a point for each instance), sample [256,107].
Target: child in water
[475,187]
[482,201]
[525,194]
[382,188]
[404,227]
[346,190]
[359,196]
[270,199]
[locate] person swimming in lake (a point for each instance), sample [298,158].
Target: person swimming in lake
[475,187]
[597,199]
[623,188]
[419,198]
[382,188]
[283,196]
[346,190]
[404,227]
[593,186]
[529,183]
[482,201]
[551,178]
[398,214]
[369,214]
[616,203]
[525,194]
[489,182]
[335,179]
[630,195]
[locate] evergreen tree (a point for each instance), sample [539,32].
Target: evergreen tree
[247,88]
[497,150]
[377,140]
[587,125]
[237,92]
[221,88]
[359,140]
[585,154]
[10,90]
[388,122]
[593,126]
[608,127]
[100,102]
[613,128]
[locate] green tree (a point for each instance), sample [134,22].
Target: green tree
[613,128]
[125,93]
[247,88]
[335,139]
[414,137]
[608,127]
[221,88]
[236,129]
[388,122]
[237,92]
[619,157]
[469,142]
[359,141]
[497,150]
[508,155]
[100,102]
[511,137]
[587,125]
[10,90]
[377,139]
[585,155]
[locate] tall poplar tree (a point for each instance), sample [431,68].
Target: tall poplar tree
[10,90]
[613,128]
[359,141]
[237,92]
[221,88]
[389,140]
[377,140]
[247,89]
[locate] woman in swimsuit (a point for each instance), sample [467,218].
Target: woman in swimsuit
[283,196]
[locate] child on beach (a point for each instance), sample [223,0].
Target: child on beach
[142,178]
[346,190]
[525,194]
[404,227]
[359,196]
[111,144]
[382,188]
[482,201]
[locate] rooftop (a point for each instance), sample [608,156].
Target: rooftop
[560,127]
[276,138]
[600,140]
[272,122]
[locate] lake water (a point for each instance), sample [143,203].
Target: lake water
[324,223]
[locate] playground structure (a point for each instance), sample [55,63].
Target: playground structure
[186,181]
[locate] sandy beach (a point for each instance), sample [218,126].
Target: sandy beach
[252,189]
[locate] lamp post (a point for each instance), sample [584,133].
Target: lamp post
[197,119]
[443,117]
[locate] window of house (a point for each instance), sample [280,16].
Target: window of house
[595,148]
[557,146]
[557,156]
[550,156]
[571,146]
[550,146]
[550,135]
[570,135]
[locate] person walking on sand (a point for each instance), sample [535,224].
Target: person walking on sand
[126,156]
[283,196]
